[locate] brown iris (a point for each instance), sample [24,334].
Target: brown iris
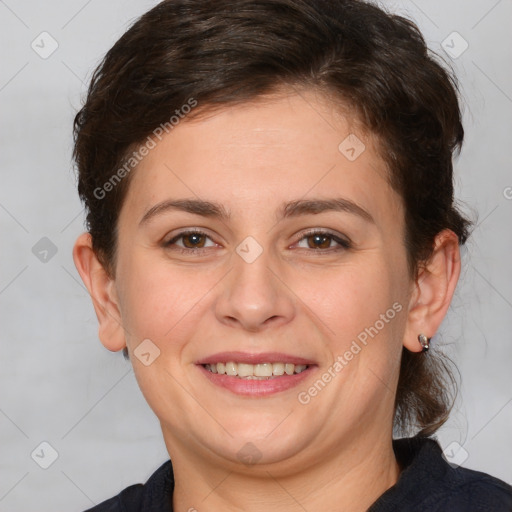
[321,241]
[195,239]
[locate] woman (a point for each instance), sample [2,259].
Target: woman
[273,242]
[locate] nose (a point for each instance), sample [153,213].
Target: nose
[253,296]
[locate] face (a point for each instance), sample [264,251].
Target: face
[250,241]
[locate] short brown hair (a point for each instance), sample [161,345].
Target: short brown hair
[221,52]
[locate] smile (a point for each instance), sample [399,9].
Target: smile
[260,371]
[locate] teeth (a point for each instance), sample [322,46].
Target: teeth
[255,371]
[263,370]
[243,370]
[231,368]
[277,369]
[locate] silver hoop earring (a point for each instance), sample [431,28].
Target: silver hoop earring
[424,342]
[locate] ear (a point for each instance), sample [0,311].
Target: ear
[102,290]
[433,290]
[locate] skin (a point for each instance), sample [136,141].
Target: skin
[335,452]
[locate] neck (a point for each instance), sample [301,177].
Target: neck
[350,480]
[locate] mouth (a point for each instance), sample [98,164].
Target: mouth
[255,374]
[260,371]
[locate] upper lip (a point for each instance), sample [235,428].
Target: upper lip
[253,358]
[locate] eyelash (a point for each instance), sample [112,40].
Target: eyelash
[344,244]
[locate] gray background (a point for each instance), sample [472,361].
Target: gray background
[57,382]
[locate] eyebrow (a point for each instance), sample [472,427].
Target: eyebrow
[291,209]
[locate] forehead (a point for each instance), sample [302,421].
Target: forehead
[264,152]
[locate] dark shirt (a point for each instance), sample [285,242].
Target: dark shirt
[427,483]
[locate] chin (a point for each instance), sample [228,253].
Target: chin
[262,445]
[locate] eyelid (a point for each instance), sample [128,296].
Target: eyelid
[342,241]
[185,232]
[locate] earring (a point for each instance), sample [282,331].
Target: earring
[424,342]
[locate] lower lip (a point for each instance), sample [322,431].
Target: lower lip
[253,387]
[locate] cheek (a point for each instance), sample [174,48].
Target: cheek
[348,298]
[158,300]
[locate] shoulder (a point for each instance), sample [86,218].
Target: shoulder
[129,497]
[466,489]
[428,483]
[155,495]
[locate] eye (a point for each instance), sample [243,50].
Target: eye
[190,241]
[195,240]
[321,239]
